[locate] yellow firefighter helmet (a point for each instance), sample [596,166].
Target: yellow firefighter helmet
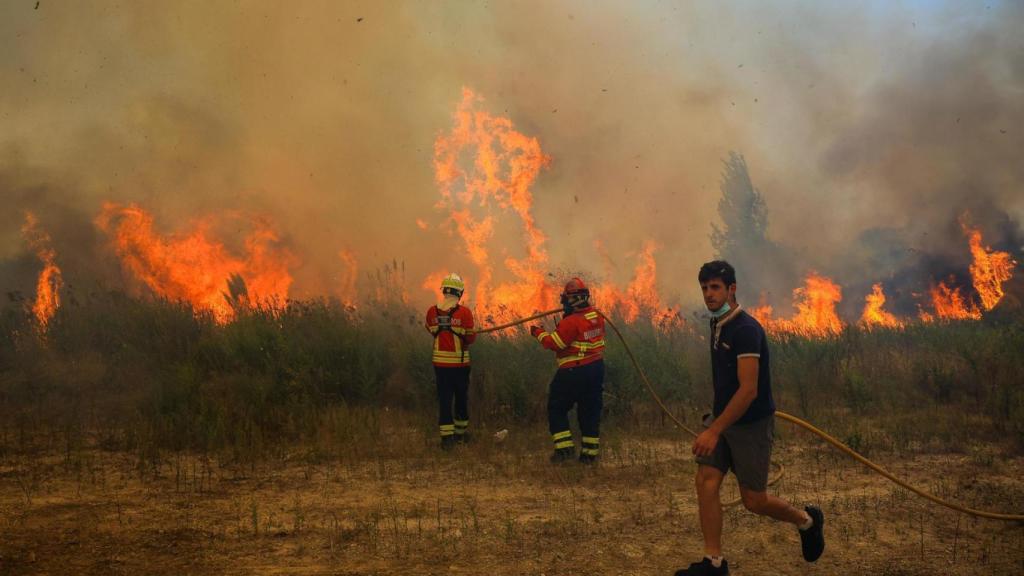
[453,284]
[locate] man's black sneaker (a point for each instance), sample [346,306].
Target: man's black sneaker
[704,568]
[588,459]
[563,455]
[812,540]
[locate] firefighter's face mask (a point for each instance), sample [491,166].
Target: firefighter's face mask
[448,302]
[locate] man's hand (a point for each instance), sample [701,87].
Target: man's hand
[536,331]
[705,444]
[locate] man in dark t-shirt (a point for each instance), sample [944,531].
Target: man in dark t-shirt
[738,434]
[737,335]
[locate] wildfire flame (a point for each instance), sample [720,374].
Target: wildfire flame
[950,304]
[194,267]
[988,270]
[484,161]
[641,295]
[874,315]
[815,303]
[504,164]
[50,281]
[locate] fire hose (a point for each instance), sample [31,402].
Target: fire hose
[782,416]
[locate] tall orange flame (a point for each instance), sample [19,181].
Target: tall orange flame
[988,270]
[195,268]
[815,303]
[950,304]
[504,163]
[50,280]
[874,315]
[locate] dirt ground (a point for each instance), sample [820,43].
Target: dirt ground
[405,507]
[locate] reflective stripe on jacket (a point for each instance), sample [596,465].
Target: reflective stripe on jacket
[578,339]
[451,341]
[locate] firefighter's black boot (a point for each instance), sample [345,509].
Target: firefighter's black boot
[563,455]
[588,459]
[448,442]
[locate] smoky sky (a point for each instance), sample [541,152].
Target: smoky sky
[868,128]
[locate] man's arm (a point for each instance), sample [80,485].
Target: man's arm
[747,369]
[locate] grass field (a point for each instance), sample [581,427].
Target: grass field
[138,437]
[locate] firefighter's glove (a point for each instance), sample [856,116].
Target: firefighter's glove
[536,331]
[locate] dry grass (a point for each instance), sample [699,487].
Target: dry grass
[397,505]
[139,437]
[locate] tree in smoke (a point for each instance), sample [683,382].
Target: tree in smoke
[762,265]
[742,210]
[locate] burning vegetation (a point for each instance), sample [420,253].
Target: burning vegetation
[485,170]
[815,303]
[502,166]
[197,268]
[49,284]
[989,269]
[874,314]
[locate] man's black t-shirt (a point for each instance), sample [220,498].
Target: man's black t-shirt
[740,335]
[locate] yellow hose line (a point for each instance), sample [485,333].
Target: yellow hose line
[517,322]
[789,418]
[850,452]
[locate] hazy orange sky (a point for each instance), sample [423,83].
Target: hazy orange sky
[322,116]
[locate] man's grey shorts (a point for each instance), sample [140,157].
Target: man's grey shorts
[746,449]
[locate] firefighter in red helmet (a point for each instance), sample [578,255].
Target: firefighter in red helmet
[452,328]
[578,343]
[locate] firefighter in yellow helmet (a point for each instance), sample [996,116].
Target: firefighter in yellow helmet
[451,325]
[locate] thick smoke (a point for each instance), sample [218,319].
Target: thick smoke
[868,129]
[933,148]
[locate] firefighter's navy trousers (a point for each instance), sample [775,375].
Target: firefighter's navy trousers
[452,383]
[582,386]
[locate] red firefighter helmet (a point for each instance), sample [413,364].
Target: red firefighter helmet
[575,294]
[574,286]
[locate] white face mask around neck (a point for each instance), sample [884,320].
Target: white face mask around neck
[721,311]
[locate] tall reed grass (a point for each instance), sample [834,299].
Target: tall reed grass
[148,374]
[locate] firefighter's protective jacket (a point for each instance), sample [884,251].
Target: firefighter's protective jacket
[578,339]
[452,330]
